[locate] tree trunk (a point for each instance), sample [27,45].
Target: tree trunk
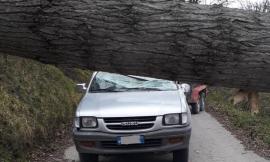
[160,38]
[249,97]
[253,99]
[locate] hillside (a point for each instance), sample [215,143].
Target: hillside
[36,101]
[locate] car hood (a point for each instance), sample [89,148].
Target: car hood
[128,104]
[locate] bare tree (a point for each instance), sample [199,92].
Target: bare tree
[194,1]
[263,6]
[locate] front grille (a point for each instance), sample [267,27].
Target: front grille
[137,123]
[130,119]
[147,143]
[133,127]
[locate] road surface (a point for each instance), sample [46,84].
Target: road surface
[210,142]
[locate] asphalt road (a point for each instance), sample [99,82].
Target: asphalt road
[210,142]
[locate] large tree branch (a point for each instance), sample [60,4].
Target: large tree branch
[160,38]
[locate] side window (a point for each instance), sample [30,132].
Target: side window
[100,83]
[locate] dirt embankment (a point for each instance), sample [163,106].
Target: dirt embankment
[37,102]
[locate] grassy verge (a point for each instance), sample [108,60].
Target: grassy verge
[36,100]
[255,129]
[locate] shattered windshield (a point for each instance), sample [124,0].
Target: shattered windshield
[110,82]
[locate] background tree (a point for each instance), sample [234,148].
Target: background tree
[263,6]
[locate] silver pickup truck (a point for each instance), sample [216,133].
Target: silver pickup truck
[122,114]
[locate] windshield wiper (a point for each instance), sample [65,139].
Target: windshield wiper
[144,89]
[137,77]
[106,90]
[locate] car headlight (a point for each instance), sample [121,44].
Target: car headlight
[184,117]
[89,122]
[172,119]
[77,122]
[176,119]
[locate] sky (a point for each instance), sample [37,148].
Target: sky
[232,3]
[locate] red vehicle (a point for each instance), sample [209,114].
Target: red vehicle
[196,97]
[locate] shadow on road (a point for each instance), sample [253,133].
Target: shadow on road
[71,155]
[138,158]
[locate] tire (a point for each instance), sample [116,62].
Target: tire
[88,157]
[202,101]
[195,108]
[180,155]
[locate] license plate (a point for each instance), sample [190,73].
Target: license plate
[127,140]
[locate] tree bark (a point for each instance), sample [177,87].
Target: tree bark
[159,38]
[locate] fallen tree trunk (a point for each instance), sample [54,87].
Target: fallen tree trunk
[159,38]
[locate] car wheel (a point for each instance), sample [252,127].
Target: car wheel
[88,157]
[180,155]
[195,108]
[202,101]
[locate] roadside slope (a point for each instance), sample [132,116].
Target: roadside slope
[37,104]
[252,130]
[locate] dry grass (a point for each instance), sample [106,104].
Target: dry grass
[36,100]
[257,127]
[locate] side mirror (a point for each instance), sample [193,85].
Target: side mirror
[185,87]
[81,88]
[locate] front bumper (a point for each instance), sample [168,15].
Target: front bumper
[162,136]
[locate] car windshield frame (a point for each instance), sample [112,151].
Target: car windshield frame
[112,82]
